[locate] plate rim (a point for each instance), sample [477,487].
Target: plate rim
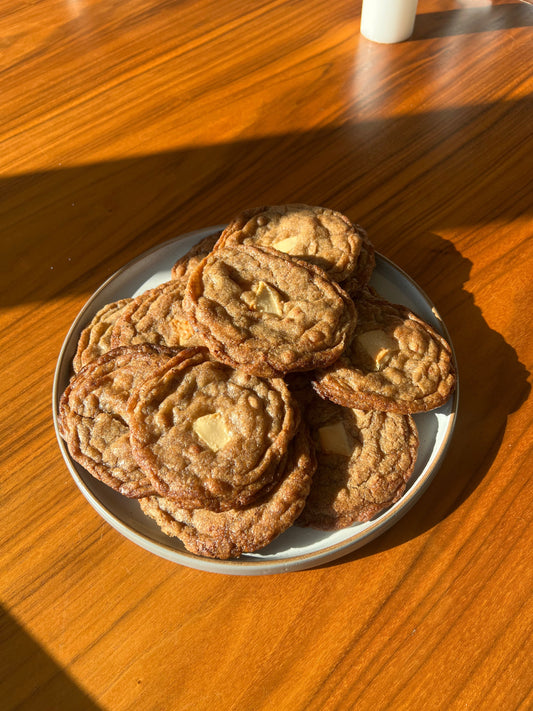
[303,561]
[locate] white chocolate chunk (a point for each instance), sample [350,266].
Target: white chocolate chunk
[334,440]
[182,331]
[288,245]
[212,430]
[378,345]
[268,300]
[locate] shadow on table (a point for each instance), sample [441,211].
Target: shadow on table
[465,21]
[31,679]
[65,231]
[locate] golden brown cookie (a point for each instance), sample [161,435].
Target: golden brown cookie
[394,362]
[366,262]
[184,265]
[93,417]
[156,316]
[229,534]
[95,339]
[207,435]
[318,235]
[266,313]
[364,460]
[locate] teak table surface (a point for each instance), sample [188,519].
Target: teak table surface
[124,124]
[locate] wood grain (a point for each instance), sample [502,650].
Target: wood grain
[125,124]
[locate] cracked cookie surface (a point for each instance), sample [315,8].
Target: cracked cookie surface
[93,418]
[95,339]
[264,312]
[394,362]
[156,316]
[364,460]
[318,235]
[210,436]
[183,267]
[366,262]
[229,534]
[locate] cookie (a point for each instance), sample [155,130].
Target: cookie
[229,534]
[364,460]
[266,313]
[365,265]
[93,418]
[156,316]
[207,435]
[394,362]
[95,339]
[185,265]
[317,235]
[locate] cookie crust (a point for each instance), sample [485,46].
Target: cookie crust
[93,418]
[95,339]
[183,267]
[156,316]
[365,265]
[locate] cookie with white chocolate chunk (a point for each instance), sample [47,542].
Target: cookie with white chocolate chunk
[229,534]
[318,235]
[209,436]
[364,460]
[266,313]
[394,362]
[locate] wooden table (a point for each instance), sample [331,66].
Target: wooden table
[125,124]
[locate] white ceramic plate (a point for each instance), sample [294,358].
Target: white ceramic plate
[297,548]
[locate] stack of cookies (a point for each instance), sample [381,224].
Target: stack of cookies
[264,385]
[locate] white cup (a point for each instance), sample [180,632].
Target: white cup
[388,21]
